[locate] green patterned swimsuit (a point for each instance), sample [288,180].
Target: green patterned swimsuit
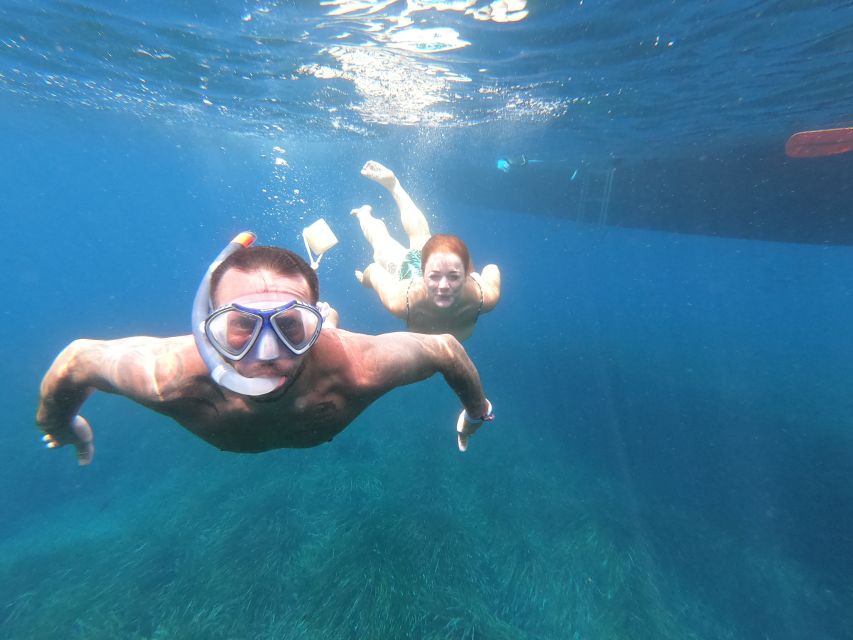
[411,265]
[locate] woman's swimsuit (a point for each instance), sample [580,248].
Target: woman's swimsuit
[411,265]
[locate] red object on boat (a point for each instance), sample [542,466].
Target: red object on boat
[815,144]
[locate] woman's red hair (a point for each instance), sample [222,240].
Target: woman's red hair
[441,243]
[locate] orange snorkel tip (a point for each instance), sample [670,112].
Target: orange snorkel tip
[244,238]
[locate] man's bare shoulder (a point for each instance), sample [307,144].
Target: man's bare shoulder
[163,351]
[388,359]
[147,345]
[158,369]
[340,351]
[347,348]
[178,367]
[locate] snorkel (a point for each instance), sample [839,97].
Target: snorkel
[221,371]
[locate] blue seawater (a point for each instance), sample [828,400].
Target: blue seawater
[670,362]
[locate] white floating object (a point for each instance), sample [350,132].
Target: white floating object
[319,238]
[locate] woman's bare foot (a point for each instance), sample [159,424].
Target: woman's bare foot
[379,174]
[362,211]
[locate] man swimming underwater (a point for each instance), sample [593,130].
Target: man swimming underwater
[260,371]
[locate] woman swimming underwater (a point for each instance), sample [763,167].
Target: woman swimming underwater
[431,284]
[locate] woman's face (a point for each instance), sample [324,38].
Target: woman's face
[444,275]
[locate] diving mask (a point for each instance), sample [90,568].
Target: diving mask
[234,329]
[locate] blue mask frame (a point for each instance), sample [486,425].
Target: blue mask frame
[264,319]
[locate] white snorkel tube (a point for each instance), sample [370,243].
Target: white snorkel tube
[221,371]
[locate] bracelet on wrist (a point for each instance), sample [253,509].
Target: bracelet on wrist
[486,417]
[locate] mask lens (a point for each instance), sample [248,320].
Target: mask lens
[297,326]
[233,331]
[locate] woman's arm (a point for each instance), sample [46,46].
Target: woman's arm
[490,282]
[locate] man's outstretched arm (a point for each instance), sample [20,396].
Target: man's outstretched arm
[127,367]
[396,359]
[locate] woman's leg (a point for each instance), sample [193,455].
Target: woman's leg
[414,223]
[386,251]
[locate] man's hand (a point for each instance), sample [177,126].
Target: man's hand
[79,433]
[466,427]
[393,360]
[128,366]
